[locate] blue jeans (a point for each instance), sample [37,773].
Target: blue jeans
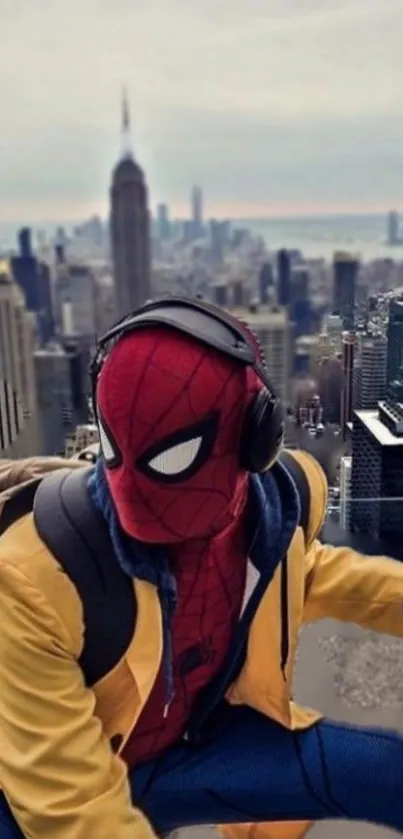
[253,770]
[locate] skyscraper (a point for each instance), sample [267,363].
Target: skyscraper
[265,282]
[130,228]
[394,373]
[334,333]
[197,212]
[377,473]
[219,237]
[346,409]
[163,223]
[345,492]
[283,278]
[330,376]
[75,293]
[272,329]
[370,371]
[33,277]
[220,294]
[19,422]
[345,271]
[61,380]
[300,307]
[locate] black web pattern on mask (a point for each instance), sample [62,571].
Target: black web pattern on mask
[225,465]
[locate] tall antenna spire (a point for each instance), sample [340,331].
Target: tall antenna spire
[127,150]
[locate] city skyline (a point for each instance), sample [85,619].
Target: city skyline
[275,108]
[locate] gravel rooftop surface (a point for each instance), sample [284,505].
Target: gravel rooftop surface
[367,671]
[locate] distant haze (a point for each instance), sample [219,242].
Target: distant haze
[275,107]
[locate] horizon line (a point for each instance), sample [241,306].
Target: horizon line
[82,219]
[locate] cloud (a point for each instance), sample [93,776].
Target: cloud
[263,101]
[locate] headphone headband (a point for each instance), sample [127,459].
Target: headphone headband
[263,424]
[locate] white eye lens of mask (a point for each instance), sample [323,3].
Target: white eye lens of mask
[177,459]
[106,446]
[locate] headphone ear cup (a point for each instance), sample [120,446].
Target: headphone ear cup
[262,432]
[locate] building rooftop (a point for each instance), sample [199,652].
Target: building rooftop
[382,434]
[346,256]
[270,317]
[307,341]
[396,306]
[52,349]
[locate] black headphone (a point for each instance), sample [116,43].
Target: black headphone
[263,425]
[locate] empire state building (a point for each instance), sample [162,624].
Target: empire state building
[130,228]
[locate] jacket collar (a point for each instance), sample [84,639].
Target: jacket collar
[273,514]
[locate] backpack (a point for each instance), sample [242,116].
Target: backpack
[55,490]
[74,532]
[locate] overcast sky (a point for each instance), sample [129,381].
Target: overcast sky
[274,106]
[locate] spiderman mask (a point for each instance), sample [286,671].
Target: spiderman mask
[170,413]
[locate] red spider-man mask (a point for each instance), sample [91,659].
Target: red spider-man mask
[170,414]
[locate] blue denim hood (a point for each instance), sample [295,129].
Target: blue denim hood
[272,514]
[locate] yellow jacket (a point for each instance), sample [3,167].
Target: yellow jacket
[58,768]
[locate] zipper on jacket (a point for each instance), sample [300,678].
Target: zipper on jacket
[284,640]
[215,694]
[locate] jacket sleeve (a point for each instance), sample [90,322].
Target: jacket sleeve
[347,586]
[57,769]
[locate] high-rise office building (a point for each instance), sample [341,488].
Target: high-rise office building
[130,230]
[265,282]
[33,277]
[19,423]
[329,344]
[394,371]
[330,378]
[346,410]
[75,294]
[163,223]
[220,232]
[377,472]
[283,278]
[105,306]
[334,331]
[80,349]
[369,370]
[345,272]
[62,396]
[345,492]
[238,294]
[196,201]
[220,293]
[273,331]
[300,307]
[306,356]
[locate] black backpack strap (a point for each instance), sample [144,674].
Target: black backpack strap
[301,481]
[77,536]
